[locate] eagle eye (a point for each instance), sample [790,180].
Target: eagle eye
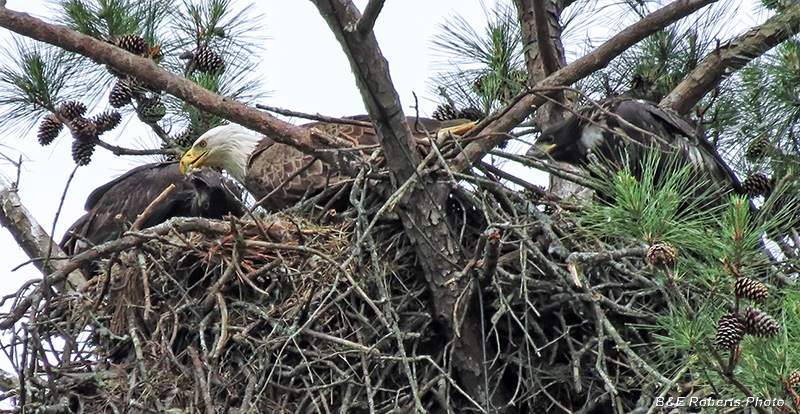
[202,144]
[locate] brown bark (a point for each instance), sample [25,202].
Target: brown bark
[422,210]
[494,130]
[30,236]
[372,77]
[731,57]
[544,55]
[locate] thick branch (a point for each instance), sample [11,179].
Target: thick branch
[102,52]
[731,57]
[422,210]
[372,77]
[367,20]
[34,240]
[550,54]
[494,130]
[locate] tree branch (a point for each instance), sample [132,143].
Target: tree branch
[367,20]
[158,78]
[34,240]
[422,209]
[494,130]
[372,77]
[731,57]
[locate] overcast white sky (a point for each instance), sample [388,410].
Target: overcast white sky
[302,63]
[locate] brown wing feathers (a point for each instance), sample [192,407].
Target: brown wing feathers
[288,175]
[111,208]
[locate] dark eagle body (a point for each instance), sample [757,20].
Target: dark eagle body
[587,136]
[266,167]
[112,207]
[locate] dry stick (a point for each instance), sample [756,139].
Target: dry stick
[625,347]
[350,344]
[315,117]
[130,151]
[223,330]
[201,380]
[365,372]
[148,303]
[137,344]
[58,211]
[599,363]
[149,209]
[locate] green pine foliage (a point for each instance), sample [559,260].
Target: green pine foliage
[110,19]
[37,79]
[716,245]
[34,79]
[483,71]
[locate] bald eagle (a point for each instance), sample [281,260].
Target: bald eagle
[620,131]
[111,208]
[265,167]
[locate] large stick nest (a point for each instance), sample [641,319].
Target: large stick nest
[287,316]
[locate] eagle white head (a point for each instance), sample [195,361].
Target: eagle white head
[227,147]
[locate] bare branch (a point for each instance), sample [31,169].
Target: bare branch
[158,78]
[493,130]
[116,150]
[314,117]
[33,239]
[372,76]
[731,57]
[367,20]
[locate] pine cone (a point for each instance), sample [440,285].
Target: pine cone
[82,151]
[84,130]
[208,61]
[661,254]
[107,121]
[445,112]
[759,323]
[120,95]
[758,184]
[758,148]
[49,129]
[471,113]
[151,109]
[750,289]
[71,110]
[478,84]
[730,331]
[133,43]
[794,380]
[185,138]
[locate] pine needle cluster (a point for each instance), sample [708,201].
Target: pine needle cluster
[209,42]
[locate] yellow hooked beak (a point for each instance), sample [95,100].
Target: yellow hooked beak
[540,150]
[193,159]
[545,147]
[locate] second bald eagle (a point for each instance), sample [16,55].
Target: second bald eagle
[619,132]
